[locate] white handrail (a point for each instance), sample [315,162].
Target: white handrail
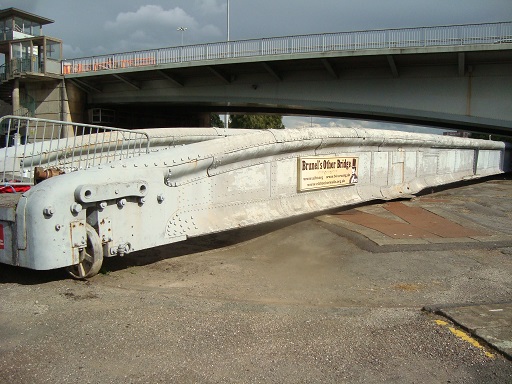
[28,142]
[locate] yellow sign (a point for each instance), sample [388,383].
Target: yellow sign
[318,172]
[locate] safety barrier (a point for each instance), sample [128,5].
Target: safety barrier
[453,35]
[57,146]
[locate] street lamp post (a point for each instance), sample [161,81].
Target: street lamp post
[182,30]
[226,120]
[228,19]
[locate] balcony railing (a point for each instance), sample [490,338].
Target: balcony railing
[16,67]
[453,35]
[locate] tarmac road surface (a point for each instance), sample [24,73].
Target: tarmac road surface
[411,291]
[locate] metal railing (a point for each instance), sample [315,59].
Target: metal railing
[453,35]
[17,66]
[56,146]
[27,106]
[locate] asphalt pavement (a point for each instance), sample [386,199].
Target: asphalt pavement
[476,216]
[417,290]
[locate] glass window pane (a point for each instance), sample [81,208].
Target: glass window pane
[25,50]
[36,29]
[18,24]
[26,27]
[8,25]
[16,51]
[53,50]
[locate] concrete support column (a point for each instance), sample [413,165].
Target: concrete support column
[65,114]
[16,96]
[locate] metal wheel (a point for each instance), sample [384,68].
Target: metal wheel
[91,257]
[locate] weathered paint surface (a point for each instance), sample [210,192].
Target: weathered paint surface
[177,192]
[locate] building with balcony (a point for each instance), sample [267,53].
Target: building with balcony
[30,65]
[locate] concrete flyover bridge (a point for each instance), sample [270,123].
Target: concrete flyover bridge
[457,76]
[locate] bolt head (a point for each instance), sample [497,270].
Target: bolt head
[76,208]
[49,210]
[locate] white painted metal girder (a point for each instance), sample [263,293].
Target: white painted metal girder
[230,182]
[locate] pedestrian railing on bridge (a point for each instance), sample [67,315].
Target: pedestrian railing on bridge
[453,35]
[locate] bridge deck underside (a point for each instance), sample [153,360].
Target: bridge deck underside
[455,87]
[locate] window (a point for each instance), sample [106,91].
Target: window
[53,50]
[36,29]
[16,51]
[2,30]
[100,115]
[18,24]
[27,27]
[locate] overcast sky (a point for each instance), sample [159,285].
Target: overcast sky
[93,27]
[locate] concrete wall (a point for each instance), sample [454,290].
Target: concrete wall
[56,100]
[47,97]
[75,100]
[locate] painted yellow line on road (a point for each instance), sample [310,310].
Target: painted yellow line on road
[466,337]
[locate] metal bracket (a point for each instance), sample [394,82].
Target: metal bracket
[78,234]
[90,193]
[105,230]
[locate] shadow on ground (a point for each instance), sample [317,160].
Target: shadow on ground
[195,245]
[10,274]
[25,276]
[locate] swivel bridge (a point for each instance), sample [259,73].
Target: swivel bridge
[457,76]
[87,191]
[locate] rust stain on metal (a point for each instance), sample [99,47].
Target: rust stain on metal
[41,174]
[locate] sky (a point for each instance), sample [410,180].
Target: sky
[95,27]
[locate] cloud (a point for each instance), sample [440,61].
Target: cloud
[150,17]
[100,50]
[212,6]
[211,31]
[150,26]
[68,51]
[138,35]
